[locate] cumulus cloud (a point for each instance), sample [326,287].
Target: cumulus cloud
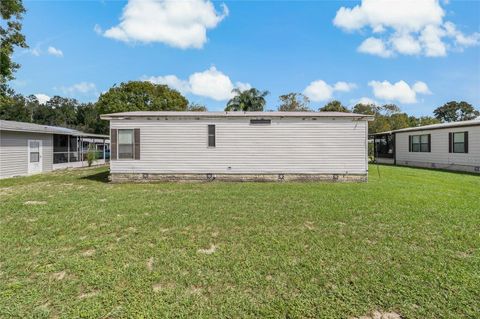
[180,24]
[42,98]
[210,83]
[55,51]
[404,27]
[320,90]
[375,46]
[82,88]
[399,91]
[364,100]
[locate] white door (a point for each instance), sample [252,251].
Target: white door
[34,156]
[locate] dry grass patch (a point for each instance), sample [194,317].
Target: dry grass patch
[208,251]
[88,252]
[380,315]
[35,202]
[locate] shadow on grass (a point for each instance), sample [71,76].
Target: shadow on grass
[101,177]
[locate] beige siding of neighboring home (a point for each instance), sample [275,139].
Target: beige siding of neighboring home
[14,152]
[286,146]
[439,157]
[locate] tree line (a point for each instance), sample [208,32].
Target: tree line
[146,96]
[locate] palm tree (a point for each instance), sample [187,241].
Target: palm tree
[248,100]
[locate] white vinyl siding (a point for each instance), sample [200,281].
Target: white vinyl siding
[14,152]
[439,154]
[287,145]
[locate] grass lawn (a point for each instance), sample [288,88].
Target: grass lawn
[72,245]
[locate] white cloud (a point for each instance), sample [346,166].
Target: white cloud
[421,87]
[42,98]
[181,24]
[210,83]
[83,88]
[97,29]
[55,51]
[344,86]
[374,46]
[407,27]
[320,90]
[399,91]
[35,51]
[365,100]
[405,44]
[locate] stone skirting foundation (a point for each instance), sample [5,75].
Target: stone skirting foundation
[155,177]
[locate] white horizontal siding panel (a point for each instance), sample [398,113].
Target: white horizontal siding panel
[439,148]
[322,146]
[14,152]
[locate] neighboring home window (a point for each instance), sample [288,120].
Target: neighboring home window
[458,142]
[260,122]
[420,143]
[211,136]
[125,144]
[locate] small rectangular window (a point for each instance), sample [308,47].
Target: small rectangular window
[125,144]
[260,122]
[420,143]
[211,136]
[460,142]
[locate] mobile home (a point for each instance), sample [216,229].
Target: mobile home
[27,148]
[252,146]
[452,146]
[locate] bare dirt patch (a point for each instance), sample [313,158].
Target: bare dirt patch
[309,225]
[59,275]
[88,294]
[88,253]
[162,287]
[150,264]
[35,202]
[380,315]
[208,251]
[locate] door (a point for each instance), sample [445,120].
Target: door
[35,158]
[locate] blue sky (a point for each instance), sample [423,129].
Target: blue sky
[416,54]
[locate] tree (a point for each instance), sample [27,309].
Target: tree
[398,121]
[139,96]
[16,107]
[11,12]
[422,121]
[247,100]
[367,109]
[455,111]
[88,119]
[334,106]
[294,102]
[196,107]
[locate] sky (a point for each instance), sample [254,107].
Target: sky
[417,54]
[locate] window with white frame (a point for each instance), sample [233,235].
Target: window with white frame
[125,144]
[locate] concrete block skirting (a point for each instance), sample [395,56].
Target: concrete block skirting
[154,177]
[450,167]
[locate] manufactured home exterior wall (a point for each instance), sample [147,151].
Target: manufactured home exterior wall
[439,157]
[286,146]
[14,152]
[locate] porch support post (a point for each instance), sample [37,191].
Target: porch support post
[68,148]
[104,149]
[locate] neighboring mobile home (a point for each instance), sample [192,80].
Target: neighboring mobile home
[452,146]
[27,148]
[238,146]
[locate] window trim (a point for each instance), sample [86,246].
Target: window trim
[214,135]
[411,144]
[133,144]
[465,142]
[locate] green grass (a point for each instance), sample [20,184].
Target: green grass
[407,242]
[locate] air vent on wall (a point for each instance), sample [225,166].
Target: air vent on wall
[260,122]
